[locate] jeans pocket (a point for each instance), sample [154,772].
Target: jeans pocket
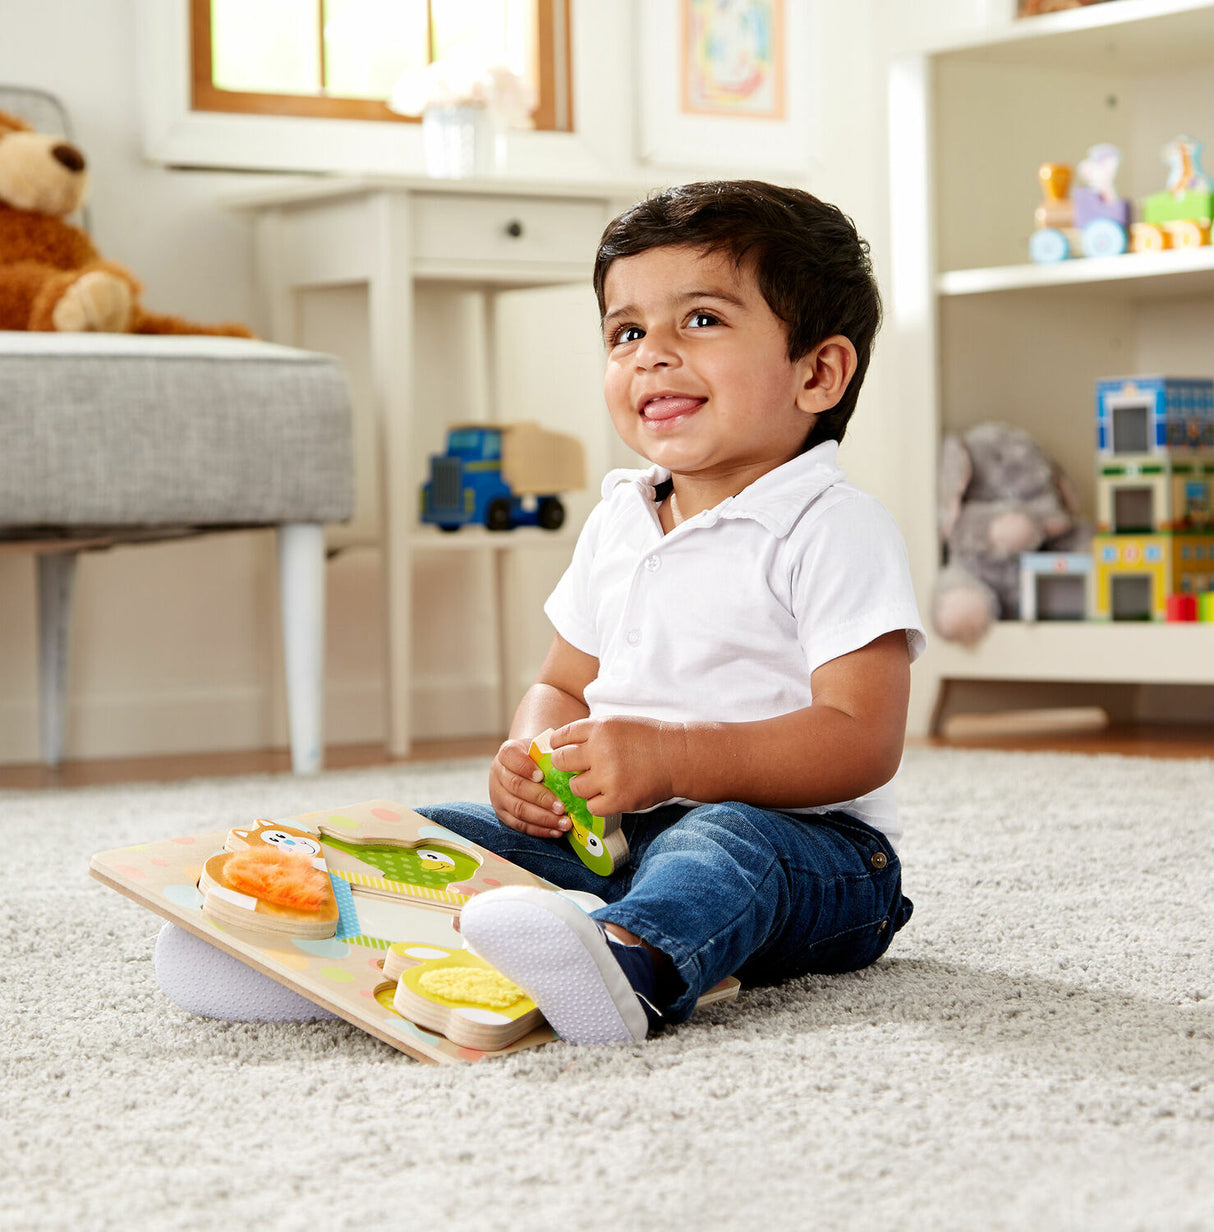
[868,840]
[851,949]
[877,910]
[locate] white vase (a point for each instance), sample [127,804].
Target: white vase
[457,140]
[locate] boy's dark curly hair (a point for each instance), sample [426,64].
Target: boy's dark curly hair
[812,267]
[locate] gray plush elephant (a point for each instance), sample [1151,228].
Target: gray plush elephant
[998,495]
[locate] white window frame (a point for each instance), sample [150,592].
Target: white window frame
[174,134]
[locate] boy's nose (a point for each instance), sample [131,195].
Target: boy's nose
[656,350]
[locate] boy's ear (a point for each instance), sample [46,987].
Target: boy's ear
[825,373]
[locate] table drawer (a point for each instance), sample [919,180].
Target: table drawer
[530,230]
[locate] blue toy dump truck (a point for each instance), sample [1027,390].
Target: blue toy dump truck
[501,476]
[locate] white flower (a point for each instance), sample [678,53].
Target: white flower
[463,77]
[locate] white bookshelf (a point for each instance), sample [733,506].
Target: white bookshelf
[983,334]
[1135,275]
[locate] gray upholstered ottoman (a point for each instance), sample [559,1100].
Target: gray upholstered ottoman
[109,438]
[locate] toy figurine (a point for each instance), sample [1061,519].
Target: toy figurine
[1093,221]
[1101,216]
[1055,216]
[1178,217]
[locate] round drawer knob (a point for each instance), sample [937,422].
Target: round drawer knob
[514,229]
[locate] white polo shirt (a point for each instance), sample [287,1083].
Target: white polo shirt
[725,618]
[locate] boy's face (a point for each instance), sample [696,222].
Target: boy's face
[698,377]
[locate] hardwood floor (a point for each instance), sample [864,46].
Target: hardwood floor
[1160,741]
[102,771]
[1155,740]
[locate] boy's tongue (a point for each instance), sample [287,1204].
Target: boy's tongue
[668,408]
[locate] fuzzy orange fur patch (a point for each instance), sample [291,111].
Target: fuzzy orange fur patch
[278,877]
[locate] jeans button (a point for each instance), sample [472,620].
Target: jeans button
[882,926]
[879,860]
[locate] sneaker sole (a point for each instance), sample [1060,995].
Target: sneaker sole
[206,981]
[560,957]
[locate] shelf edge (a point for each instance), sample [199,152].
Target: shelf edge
[1082,271]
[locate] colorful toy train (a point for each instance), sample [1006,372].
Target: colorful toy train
[1093,221]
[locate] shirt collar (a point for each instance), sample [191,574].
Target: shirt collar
[775,500]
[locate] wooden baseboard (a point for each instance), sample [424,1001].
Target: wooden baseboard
[236,719]
[1025,722]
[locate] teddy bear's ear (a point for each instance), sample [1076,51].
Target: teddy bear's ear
[12,124]
[952,479]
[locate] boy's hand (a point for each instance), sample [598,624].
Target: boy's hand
[519,797]
[622,764]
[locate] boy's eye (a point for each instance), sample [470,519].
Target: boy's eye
[628,333]
[699,320]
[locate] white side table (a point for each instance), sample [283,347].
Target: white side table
[392,235]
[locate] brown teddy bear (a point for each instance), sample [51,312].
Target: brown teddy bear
[51,276]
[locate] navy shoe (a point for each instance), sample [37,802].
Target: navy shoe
[590,987]
[639,966]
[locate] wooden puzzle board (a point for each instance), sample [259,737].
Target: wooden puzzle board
[344,973]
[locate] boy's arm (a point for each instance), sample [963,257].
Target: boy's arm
[557,695]
[556,698]
[847,743]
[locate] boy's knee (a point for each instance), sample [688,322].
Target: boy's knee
[472,821]
[726,819]
[732,830]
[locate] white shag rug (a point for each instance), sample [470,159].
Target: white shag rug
[1036,1051]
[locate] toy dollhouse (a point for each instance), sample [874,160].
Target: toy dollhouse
[1154,496]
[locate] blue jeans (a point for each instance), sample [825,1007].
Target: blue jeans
[727,889]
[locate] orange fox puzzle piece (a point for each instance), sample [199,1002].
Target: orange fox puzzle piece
[271,878]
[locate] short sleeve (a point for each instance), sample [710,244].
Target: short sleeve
[851,580]
[569,607]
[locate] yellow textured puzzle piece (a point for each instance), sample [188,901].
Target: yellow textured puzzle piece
[488,988]
[458,994]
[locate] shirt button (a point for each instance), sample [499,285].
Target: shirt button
[879,860]
[652,564]
[633,637]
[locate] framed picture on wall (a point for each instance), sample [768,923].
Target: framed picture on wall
[727,83]
[1034,8]
[732,58]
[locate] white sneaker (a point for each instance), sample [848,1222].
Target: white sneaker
[203,980]
[562,959]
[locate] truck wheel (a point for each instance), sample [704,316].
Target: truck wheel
[497,516]
[551,513]
[448,527]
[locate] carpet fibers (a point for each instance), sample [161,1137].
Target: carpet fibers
[1035,1052]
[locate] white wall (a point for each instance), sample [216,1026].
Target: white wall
[175,647]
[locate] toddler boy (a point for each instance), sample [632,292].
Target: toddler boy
[730,668]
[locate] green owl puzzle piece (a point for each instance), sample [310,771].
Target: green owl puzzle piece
[598,841]
[432,865]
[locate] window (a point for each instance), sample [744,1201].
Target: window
[340,58]
[1131,428]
